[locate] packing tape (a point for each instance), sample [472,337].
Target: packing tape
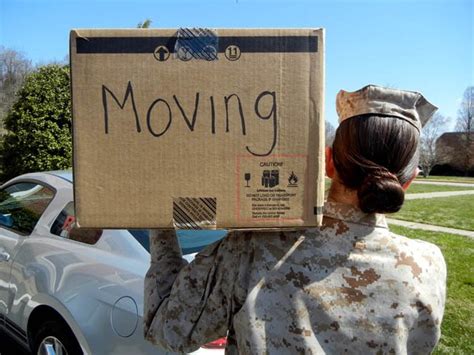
[194,212]
[196,43]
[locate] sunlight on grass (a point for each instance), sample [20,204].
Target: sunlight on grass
[455,212]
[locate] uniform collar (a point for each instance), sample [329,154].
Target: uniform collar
[350,213]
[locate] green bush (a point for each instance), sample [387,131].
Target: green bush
[39,124]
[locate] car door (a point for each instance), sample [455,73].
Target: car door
[21,205]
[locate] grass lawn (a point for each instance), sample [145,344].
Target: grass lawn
[463,179]
[421,188]
[455,212]
[458,323]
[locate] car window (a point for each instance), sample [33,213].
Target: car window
[65,226]
[22,204]
[191,241]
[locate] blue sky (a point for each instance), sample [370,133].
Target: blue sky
[424,45]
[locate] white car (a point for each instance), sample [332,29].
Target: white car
[72,291]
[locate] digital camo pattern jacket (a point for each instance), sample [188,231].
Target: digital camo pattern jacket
[350,286]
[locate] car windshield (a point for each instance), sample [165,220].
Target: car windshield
[191,241]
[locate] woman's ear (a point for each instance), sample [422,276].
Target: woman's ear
[329,163]
[406,185]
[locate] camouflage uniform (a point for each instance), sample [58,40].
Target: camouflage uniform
[350,286]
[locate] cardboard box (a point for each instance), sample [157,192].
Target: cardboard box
[198,128]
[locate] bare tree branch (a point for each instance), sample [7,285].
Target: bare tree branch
[465,123]
[330,134]
[14,67]
[429,135]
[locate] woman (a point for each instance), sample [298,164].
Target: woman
[350,286]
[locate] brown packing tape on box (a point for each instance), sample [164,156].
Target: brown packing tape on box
[198,128]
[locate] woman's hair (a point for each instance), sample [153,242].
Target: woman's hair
[376,155]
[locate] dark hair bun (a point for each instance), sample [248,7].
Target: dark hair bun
[380,192]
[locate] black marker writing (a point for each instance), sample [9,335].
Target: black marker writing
[242,118]
[128,92]
[148,117]
[193,120]
[160,113]
[271,113]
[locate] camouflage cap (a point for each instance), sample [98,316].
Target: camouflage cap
[408,105]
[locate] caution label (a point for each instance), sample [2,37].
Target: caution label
[271,188]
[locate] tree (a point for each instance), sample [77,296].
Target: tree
[465,124]
[144,24]
[330,134]
[429,135]
[14,67]
[39,124]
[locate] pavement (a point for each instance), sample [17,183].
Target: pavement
[427,195]
[430,227]
[466,184]
[438,194]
